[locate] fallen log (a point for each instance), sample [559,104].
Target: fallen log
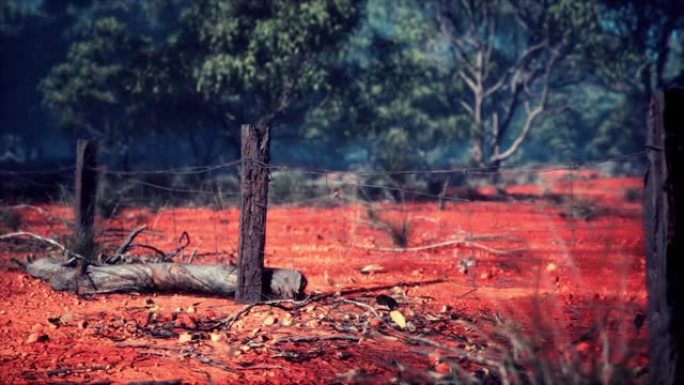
[220,280]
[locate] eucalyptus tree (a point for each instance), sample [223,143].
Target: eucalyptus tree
[639,48]
[510,56]
[390,103]
[265,62]
[205,66]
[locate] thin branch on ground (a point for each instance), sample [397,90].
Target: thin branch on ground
[295,339]
[184,351]
[463,242]
[228,322]
[144,345]
[231,319]
[467,293]
[400,284]
[67,371]
[216,364]
[361,305]
[155,382]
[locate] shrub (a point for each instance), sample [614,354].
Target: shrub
[519,177]
[582,209]
[399,230]
[289,187]
[524,361]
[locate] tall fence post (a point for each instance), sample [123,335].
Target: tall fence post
[253,203]
[86,187]
[664,227]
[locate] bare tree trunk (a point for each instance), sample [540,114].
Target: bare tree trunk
[664,226]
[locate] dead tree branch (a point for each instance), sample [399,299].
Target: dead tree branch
[127,244]
[296,339]
[49,241]
[456,242]
[218,280]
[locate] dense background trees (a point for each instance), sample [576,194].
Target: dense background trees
[345,84]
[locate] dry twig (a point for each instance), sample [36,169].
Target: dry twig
[67,371]
[49,241]
[361,305]
[461,241]
[127,244]
[339,337]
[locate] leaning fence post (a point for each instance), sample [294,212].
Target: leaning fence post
[253,202]
[86,187]
[664,227]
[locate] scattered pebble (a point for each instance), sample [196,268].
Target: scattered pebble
[185,337]
[37,328]
[37,337]
[215,337]
[287,320]
[370,269]
[270,320]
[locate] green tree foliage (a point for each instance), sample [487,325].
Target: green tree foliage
[389,98]
[634,54]
[93,89]
[395,85]
[632,49]
[214,66]
[257,59]
[636,44]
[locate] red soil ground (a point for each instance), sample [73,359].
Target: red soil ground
[571,276]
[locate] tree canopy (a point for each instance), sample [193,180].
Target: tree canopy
[386,84]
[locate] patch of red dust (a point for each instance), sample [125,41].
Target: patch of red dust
[569,277]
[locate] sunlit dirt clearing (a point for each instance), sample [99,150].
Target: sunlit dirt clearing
[570,275]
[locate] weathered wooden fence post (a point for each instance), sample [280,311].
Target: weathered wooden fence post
[253,202]
[664,226]
[86,187]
